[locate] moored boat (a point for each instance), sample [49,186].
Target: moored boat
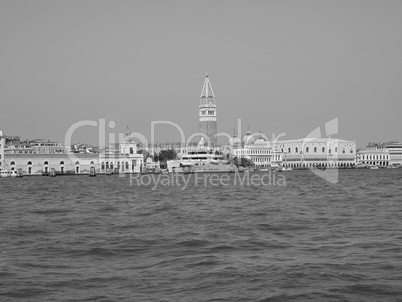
[12,173]
[52,172]
[92,172]
[198,160]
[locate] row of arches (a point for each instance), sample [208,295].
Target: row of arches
[12,163]
[46,166]
[315,150]
[374,156]
[320,165]
[376,163]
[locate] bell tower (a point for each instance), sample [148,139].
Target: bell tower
[207,113]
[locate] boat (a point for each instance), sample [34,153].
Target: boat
[52,172]
[12,173]
[92,172]
[362,166]
[198,160]
[374,167]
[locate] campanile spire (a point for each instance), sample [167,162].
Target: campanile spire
[207,113]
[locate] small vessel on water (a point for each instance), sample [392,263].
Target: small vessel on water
[52,172]
[286,167]
[92,172]
[12,173]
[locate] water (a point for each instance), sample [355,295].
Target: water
[100,239]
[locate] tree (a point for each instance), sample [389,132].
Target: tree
[145,154]
[166,155]
[155,158]
[244,162]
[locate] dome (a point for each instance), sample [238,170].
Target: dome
[234,141]
[248,139]
[260,142]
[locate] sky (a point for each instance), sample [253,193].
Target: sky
[279,66]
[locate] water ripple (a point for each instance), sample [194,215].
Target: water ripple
[100,239]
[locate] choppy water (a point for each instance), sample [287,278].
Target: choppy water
[100,239]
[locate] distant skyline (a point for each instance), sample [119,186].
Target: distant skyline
[280,66]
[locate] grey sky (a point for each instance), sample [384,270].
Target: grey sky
[280,66]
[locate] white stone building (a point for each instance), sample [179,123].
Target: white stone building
[374,157]
[298,153]
[382,154]
[119,158]
[319,152]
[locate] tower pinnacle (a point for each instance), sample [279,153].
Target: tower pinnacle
[207,113]
[207,91]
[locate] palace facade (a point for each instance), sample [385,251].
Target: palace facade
[298,153]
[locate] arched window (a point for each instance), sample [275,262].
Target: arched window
[336,149]
[307,149]
[29,163]
[323,149]
[62,163]
[329,151]
[46,163]
[92,162]
[12,163]
[296,150]
[315,149]
[77,162]
[288,150]
[343,150]
[351,150]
